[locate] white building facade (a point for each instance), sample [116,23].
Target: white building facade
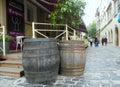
[107,21]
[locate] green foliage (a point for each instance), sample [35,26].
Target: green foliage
[92,29]
[68,12]
[7,38]
[85,37]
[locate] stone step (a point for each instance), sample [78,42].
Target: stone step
[16,72]
[11,63]
[15,56]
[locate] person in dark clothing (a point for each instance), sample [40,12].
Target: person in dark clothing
[102,41]
[105,40]
[91,41]
[96,42]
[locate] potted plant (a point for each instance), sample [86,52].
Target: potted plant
[8,39]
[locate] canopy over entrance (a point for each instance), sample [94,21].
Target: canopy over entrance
[48,5]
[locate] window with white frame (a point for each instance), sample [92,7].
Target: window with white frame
[109,13]
[118,5]
[115,11]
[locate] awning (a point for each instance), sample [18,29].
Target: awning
[82,28]
[48,4]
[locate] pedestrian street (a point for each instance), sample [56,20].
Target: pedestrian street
[102,70]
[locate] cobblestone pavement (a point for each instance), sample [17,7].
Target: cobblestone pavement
[102,70]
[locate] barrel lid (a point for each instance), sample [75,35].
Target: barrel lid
[39,39]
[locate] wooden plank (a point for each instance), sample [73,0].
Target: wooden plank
[17,72]
[11,63]
[12,56]
[12,66]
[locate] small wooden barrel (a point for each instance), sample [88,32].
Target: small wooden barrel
[40,60]
[73,57]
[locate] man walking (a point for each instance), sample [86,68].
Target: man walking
[105,40]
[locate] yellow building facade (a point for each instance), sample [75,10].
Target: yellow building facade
[17,16]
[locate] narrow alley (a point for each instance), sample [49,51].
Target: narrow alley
[102,70]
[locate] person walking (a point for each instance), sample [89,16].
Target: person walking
[96,42]
[105,40]
[102,41]
[91,41]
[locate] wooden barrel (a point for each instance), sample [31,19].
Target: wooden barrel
[73,57]
[40,60]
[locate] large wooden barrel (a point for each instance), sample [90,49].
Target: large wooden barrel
[73,57]
[40,60]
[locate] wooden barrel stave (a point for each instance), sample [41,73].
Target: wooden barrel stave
[72,57]
[40,60]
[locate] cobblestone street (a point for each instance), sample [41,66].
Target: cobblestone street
[102,70]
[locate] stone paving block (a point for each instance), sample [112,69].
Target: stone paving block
[61,85]
[69,82]
[116,85]
[101,70]
[76,79]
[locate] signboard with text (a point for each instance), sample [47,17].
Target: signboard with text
[15,20]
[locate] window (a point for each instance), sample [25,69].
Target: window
[30,12]
[118,4]
[115,7]
[109,13]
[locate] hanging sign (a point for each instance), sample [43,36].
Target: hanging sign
[15,16]
[119,18]
[15,20]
